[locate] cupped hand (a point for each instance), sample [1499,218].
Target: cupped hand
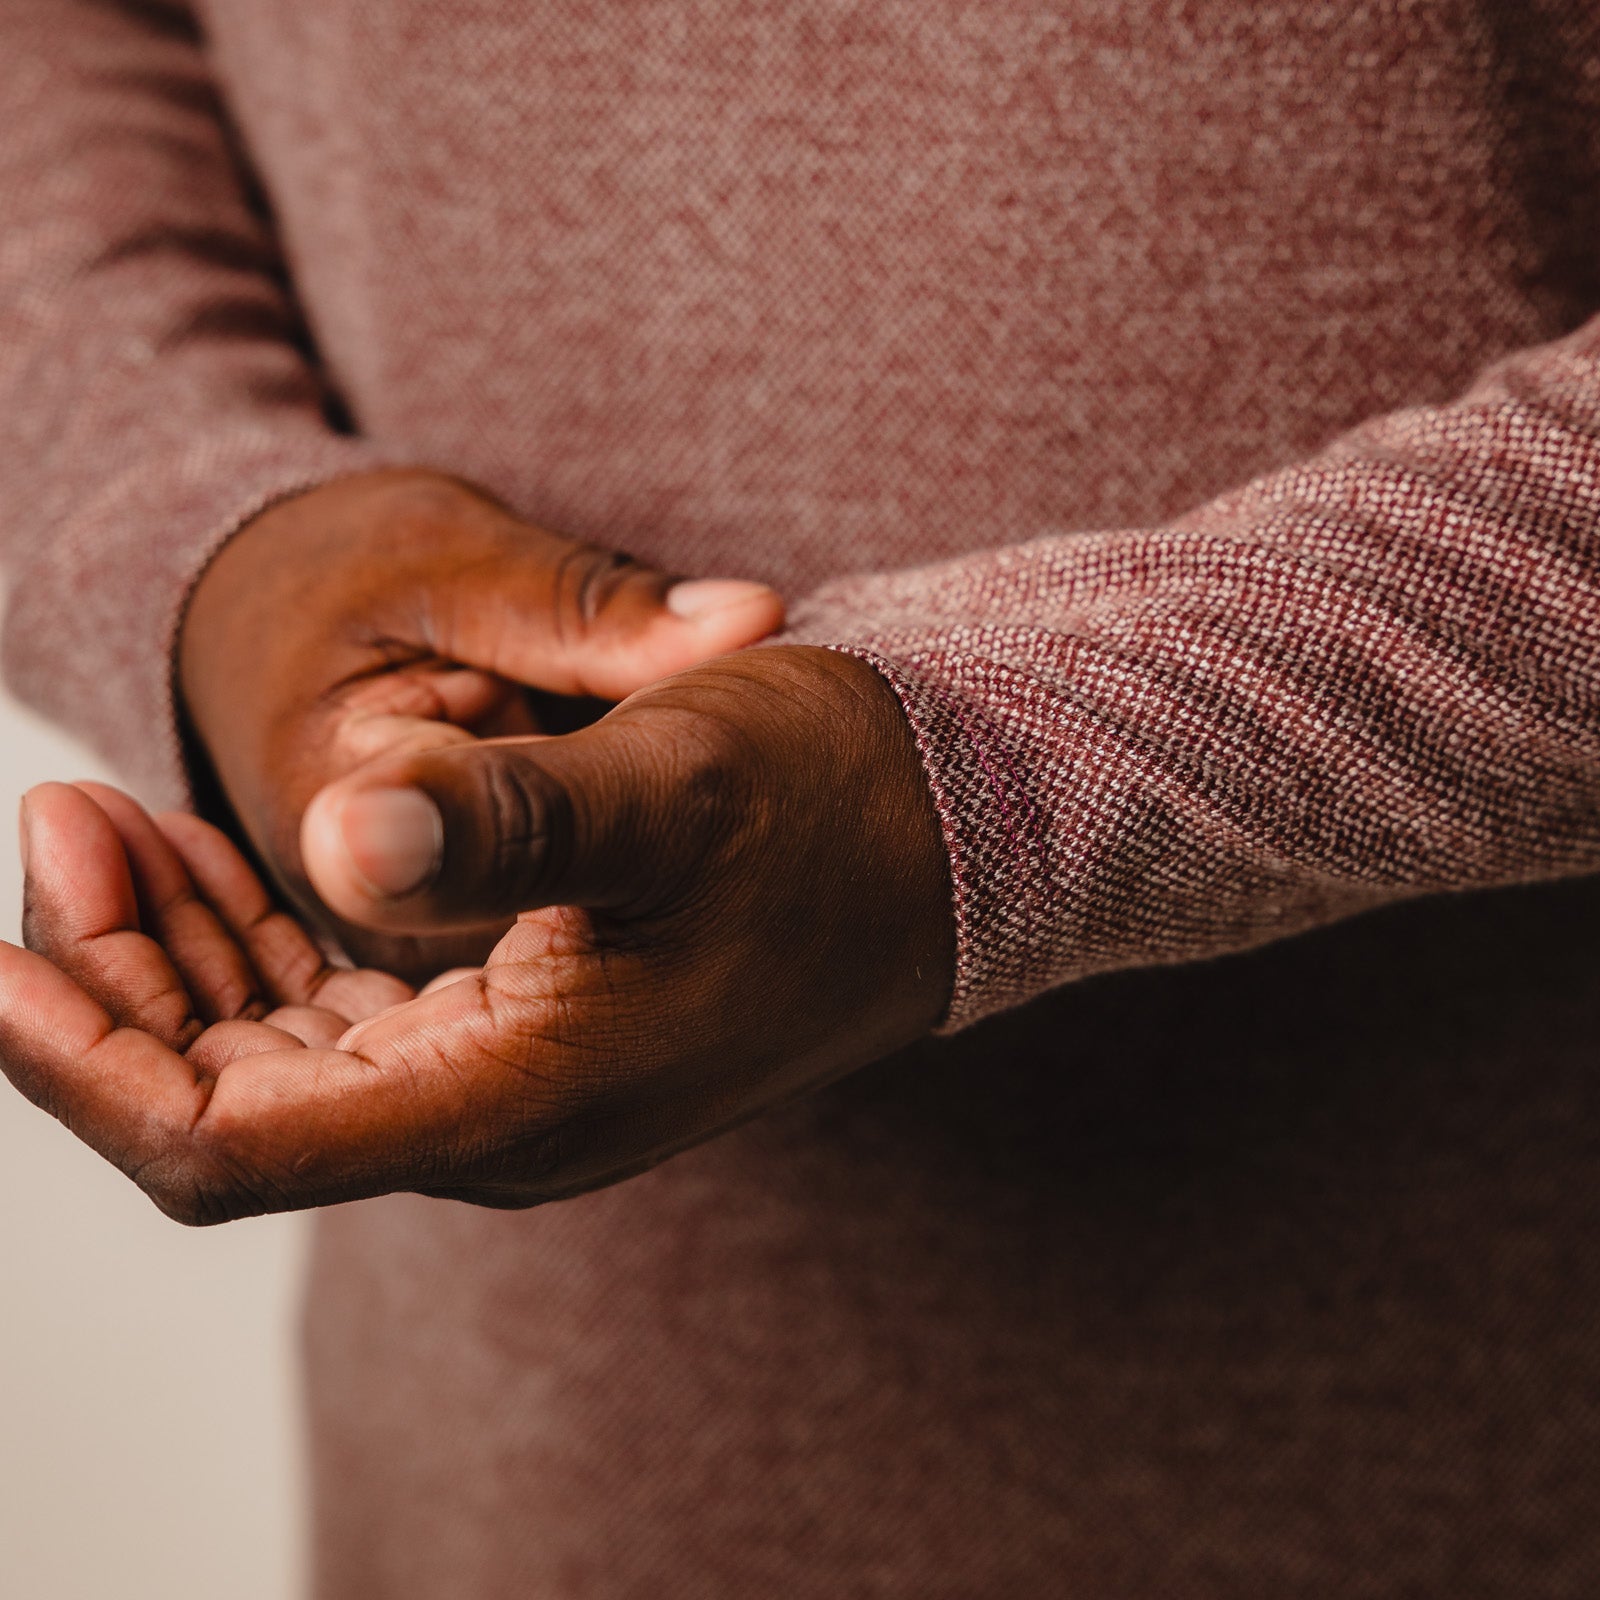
[402,610]
[740,892]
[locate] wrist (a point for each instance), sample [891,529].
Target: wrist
[880,856]
[907,843]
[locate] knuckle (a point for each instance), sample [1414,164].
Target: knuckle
[188,1206]
[223,1177]
[181,1191]
[166,1016]
[587,577]
[40,932]
[529,822]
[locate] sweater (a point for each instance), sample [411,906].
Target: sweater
[1194,413]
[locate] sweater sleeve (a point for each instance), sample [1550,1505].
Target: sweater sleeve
[1371,675]
[155,390]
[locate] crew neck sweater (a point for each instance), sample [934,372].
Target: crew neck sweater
[1193,411]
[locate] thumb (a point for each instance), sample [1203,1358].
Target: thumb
[466,834]
[578,619]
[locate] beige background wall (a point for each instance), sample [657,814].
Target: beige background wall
[148,1434]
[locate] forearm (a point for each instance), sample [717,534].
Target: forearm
[1370,675]
[155,392]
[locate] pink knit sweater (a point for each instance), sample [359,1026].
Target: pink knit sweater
[1191,409]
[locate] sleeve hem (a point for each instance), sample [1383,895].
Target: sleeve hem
[927,721]
[93,624]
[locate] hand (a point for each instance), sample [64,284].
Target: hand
[399,610]
[745,896]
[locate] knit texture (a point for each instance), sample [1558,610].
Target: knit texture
[865,286]
[901,305]
[1372,675]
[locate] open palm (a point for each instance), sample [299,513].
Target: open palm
[710,934]
[192,1032]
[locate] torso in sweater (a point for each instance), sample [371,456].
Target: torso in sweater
[796,289]
[1273,1276]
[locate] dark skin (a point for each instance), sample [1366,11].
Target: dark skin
[727,892]
[407,610]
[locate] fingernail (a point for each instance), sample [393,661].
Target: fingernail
[394,838]
[24,833]
[701,596]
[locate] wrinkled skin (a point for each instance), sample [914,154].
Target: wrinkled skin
[406,610]
[728,891]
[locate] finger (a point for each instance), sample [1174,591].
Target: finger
[418,1097]
[252,1123]
[452,837]
[359,736]
[577,619]
[172,1125]
[419,709]
[216,972]
[414,958]
[430,691]
[445,979]
[81,912]
[313,1026]
[291,966]
[122,1090]
[583,1104]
